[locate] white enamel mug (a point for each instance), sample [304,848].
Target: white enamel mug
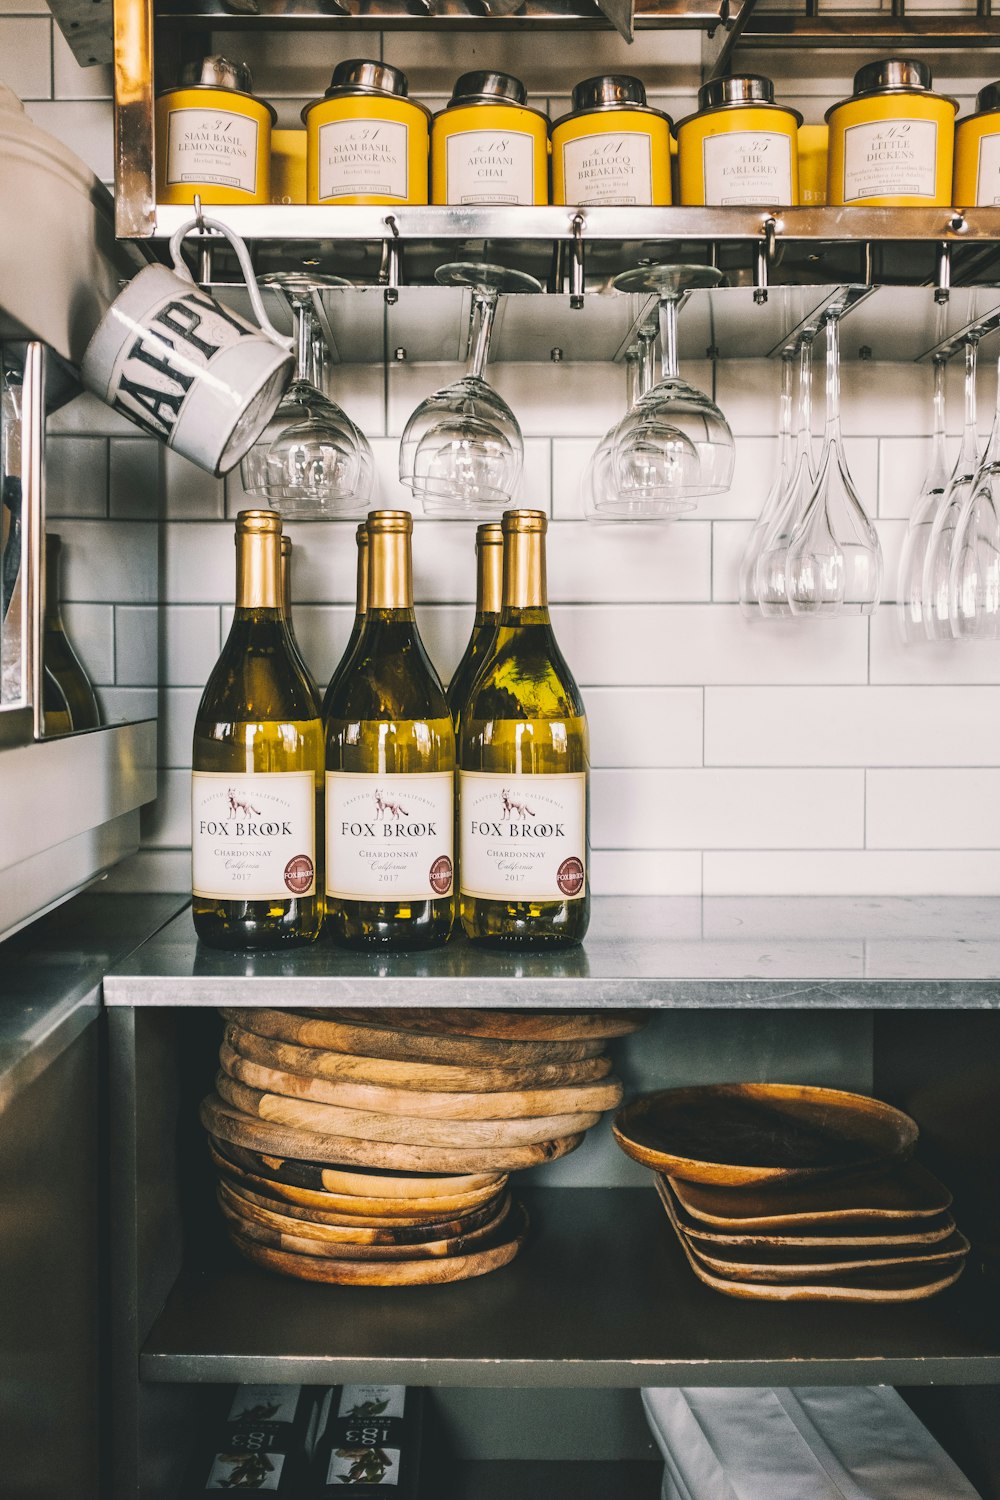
[181,366]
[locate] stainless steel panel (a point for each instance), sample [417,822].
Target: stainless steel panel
[661,952]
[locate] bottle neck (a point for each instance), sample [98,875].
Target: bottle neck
[53,618]
[361,593]
[390,580]
[524,573]
[286,587]
[258,572]
[489,579]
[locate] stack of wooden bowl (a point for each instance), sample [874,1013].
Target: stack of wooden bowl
[792,1194]
[373,1148]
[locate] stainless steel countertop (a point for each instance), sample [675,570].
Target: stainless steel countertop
[51,975]
[726,952]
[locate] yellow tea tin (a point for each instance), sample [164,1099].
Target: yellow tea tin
[740,147]
[488,146]
[213,138]
[613,148]
[367,142]
[814,147]
[891,145]
[977,153]
[288,166]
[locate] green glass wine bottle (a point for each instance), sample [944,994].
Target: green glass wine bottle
[361,604]
[286,605]
[69,702]
[257,769]
[524,765]
[390,767]
[489,582]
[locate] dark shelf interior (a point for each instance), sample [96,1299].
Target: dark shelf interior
[600,1296]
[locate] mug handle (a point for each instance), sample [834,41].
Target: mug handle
[243,256]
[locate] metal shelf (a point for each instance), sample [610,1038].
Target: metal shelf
[610,1252]
[654,952]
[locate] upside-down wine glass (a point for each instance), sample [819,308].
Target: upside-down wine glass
[936,581]
[748,592]
[461,452]
[910,608]
[602,502]
[311,462]
[674,444]
[975,564]
[834,555]
[771,580]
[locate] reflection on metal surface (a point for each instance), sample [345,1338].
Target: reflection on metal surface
[133,58]
[33,523]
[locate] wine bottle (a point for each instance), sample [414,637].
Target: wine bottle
[390,768]
[361,596]
[489,581]
[524,770]
[72,700]
[257,769]
[286,605]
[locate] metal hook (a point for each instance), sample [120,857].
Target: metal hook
[204,245]
[577,264]
[391,262]
[764,259]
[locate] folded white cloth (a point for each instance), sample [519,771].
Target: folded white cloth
[820,1442]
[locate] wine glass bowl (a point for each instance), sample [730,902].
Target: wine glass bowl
[461,453]
[674,444]
[311,462]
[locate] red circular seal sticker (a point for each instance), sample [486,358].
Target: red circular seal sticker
[441,875]
[299,873]
[569,876]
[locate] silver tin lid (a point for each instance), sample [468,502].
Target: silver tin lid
[608,91]
[218,72]
[892,73]
[360,75]
[988,98]
[488,88]
[739,88]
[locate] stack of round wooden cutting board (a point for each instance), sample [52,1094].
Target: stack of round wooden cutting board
[373,1148]
[780,1192]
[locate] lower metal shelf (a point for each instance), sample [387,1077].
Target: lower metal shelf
[600,1296]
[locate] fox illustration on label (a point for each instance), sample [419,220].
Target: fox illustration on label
[246,808]
[510,806]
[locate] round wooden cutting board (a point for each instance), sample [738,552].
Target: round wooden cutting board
[343,1272]
[505,1025]
[221,1119]
[403,1046]
[372,1182]
[375,1128]
[423,1104]
[354,1208]
[258,1206]
[344,1067]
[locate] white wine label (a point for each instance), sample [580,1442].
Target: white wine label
[389,838]
[363,1465]
[205,145]
[265,1403]
[363,157]
[490,166]
[890,158]
[523,838]
[381,1401]
[253,837]
[747,166]
[615,168]
[246,1471]
[988,175]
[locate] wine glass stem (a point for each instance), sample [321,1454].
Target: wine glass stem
[647,355]
[938,438]
[832,379]
[668,337]
[970,439]
[303,341]
[785,407]
[632,390]
[484,306]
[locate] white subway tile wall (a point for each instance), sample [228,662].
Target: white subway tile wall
[730,758]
